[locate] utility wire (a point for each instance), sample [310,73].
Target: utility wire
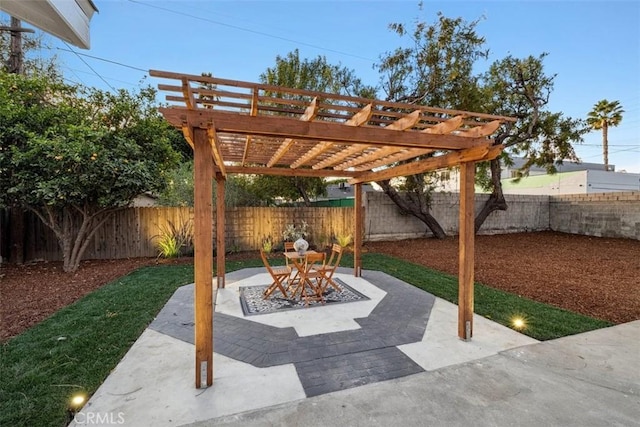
[235,27]
[91,68]
[103,59]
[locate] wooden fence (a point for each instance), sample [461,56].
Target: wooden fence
[134,232]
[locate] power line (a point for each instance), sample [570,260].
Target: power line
[103,59]
[91,68]
[235,27]
[74,70]
[610,145]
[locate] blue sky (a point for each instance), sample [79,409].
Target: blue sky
[593,46]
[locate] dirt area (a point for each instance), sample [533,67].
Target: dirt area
[594,276]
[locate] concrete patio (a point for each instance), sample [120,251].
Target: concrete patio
[393,359]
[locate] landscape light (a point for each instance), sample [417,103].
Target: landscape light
[75,404]
[518,323]
[77,400]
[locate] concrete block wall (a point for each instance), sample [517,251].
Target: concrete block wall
[524,213]
[597,214]
[385,221]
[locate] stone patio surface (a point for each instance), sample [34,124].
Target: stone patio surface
[394,359]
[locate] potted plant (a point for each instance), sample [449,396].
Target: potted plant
[297,234]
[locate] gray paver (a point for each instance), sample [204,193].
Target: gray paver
[345,371]
[400,318]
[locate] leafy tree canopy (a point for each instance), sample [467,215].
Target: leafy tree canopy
[439,67]
[74,155]
[317,75]
[239,189]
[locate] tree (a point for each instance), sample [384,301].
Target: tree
[316,75]
[435,70]
[271,188]
[239,189]
[603,115]
[16,56]
[438,69]
[519,87]
[75,156]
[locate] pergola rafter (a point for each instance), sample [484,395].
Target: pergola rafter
[239,127]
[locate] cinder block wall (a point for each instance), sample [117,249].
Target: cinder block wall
[385,221]
[597,214]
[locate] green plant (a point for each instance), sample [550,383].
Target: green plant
[343,239]
[233,248]
[294,232]
[267,244]
[175,240]
[168,246]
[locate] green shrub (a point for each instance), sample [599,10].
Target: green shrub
[175,240]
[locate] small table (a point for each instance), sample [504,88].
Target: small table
[304,275]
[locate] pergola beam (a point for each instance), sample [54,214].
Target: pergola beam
[446,127]
[397,156]
[383,155]
[358,119]
[309,113]
[486,151]
[254,112]
[215,150]
[480,131]
[284,127]
[190,100]
[261,170]
[403,123]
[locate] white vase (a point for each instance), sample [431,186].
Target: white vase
[301,245]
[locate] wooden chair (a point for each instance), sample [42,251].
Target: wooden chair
[288,247]
[327,270]
[279,276]
[310,279]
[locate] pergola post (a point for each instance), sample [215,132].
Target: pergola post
[203,256]
[357,238]
[466,245]
[220,229]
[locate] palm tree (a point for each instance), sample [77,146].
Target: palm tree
[603,115]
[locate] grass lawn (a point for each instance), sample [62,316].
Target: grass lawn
[75,349]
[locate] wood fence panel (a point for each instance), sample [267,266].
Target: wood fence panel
[133,232]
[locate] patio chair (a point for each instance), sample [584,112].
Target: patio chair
[279,276]
[288,247]
[327,270]
[310,280]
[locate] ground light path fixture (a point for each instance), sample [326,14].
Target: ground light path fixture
[519,322]
[76,403]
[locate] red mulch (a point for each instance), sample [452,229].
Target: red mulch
[595,276]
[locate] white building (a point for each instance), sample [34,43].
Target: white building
[571,178]
[577,182]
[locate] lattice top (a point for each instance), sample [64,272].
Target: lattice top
[257,128]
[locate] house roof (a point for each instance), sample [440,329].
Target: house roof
[255,128]
[66,19]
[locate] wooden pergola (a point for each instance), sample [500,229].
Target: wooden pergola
[239,127]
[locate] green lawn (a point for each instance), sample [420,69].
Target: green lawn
[76,348]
